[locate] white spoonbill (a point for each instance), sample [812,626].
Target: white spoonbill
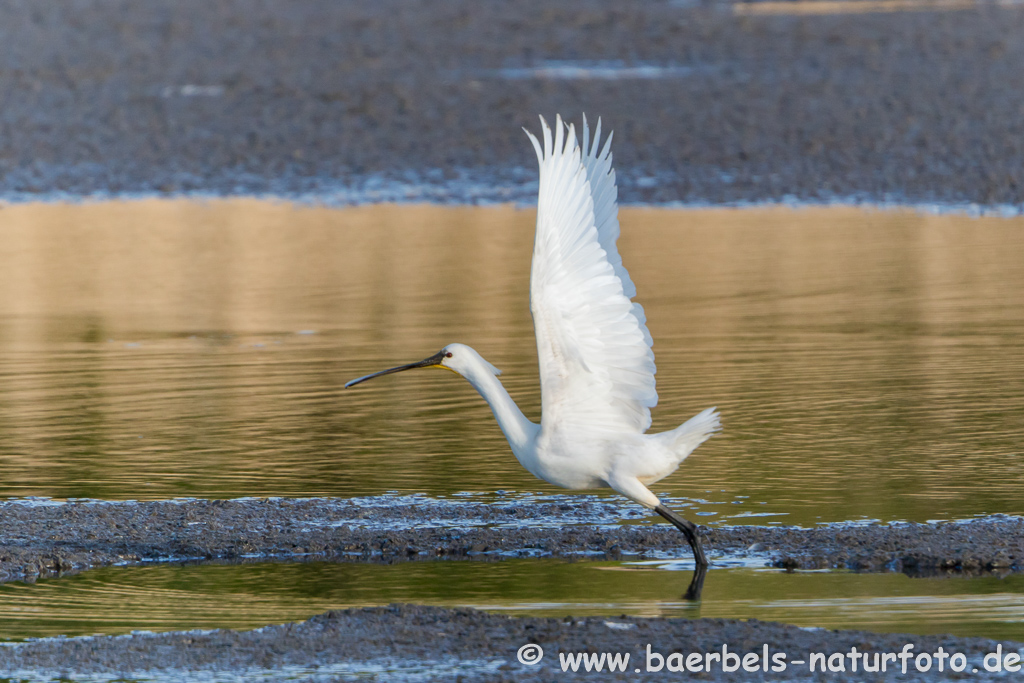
[594,350]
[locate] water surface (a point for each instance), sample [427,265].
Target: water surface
[165,598]
[868,364]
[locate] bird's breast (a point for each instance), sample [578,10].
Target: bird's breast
[570,460]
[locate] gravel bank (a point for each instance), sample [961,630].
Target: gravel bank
[400,100]
[54,539]
[400,643]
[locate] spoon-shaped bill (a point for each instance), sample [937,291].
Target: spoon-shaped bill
[433,361]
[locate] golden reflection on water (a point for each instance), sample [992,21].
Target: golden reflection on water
[867,363]
[116,600]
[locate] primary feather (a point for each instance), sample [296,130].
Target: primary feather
[596,363]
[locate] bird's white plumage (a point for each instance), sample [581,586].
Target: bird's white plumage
[596,363]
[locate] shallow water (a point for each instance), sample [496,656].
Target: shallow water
[868,364]
[165,598]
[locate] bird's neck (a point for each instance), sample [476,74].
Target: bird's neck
[519,431]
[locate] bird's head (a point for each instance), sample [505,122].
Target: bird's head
[459,358]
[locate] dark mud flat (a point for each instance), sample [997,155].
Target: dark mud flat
[423,101]
[426,643]
[57,538]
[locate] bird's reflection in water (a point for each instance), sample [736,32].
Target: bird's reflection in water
[696,586]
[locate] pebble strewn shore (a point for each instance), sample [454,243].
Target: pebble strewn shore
[415,101]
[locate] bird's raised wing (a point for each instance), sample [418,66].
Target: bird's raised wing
[596,364]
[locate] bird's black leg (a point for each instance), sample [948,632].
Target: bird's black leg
[688,528]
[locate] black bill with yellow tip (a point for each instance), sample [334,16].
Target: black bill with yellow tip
[433,361]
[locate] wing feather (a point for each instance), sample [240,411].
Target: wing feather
[596,363]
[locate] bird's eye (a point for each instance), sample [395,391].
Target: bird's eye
[448,355]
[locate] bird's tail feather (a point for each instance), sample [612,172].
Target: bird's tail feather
[695,431]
